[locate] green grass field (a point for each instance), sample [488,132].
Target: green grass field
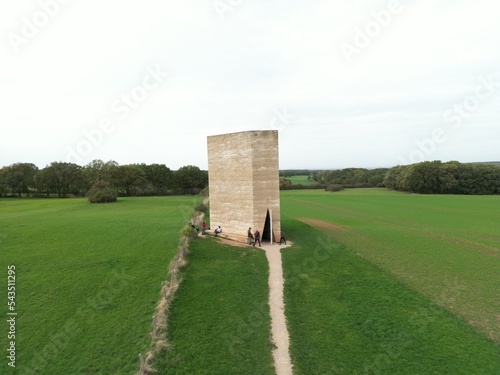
[88,278]
[377,282]
[302,180]
[220,322]
[413,287]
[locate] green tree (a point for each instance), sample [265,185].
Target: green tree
[423,178]
[20,177]
[190,179]
[129,178]
[285,183]
[63,178]
[97,170]
[102,192]
[3,181]
[159,176]
[449,176]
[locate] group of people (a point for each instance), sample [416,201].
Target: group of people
[255,237]
[252,237]
[217,230]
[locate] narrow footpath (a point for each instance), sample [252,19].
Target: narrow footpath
[281,354]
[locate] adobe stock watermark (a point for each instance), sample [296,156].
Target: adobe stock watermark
[122,107]
[454,117]
[221,7]
[32,26]
[363,36]
[281,119]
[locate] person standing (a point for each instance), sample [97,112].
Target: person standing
[256,237]
[282,237]
[195,230]
[203,227]
[250,236]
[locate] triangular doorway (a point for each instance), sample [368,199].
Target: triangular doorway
[266,233]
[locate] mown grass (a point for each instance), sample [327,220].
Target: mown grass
[88,279]
[348,316]
[437,255]
[446,247]
[219,321]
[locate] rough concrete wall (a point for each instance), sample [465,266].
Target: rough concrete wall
[265,165]
[243,170]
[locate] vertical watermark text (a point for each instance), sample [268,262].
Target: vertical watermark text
[11,315]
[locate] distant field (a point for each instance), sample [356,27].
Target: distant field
[384,301]
[296,180]
[88,279]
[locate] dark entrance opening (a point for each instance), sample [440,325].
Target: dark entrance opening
[266,233]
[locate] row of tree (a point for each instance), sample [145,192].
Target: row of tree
[453,177]
[63,179]
[352,177]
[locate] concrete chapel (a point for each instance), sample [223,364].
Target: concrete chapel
[243,178]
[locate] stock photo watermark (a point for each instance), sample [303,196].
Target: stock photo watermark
[11,315]
[363,36]
[221,7]
[121,107]
[33,25]
[454,116]
[281,119]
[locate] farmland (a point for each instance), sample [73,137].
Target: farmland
[300,180]
[88,279]
[376,282]
[388,282]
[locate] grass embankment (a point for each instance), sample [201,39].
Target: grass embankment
[219,321]
[88,279]
[441,246]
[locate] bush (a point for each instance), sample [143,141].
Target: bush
[201,208]
[334,187]
[102,192]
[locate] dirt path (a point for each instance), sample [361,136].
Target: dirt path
[281,354]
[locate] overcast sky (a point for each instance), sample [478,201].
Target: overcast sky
[346,83]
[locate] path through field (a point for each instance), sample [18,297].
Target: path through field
[281,354]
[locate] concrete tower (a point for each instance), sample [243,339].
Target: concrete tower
[243,178]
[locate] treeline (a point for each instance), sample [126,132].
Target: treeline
[453,177]
[297,172]
[352,177]
[69,179]
[335,180]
